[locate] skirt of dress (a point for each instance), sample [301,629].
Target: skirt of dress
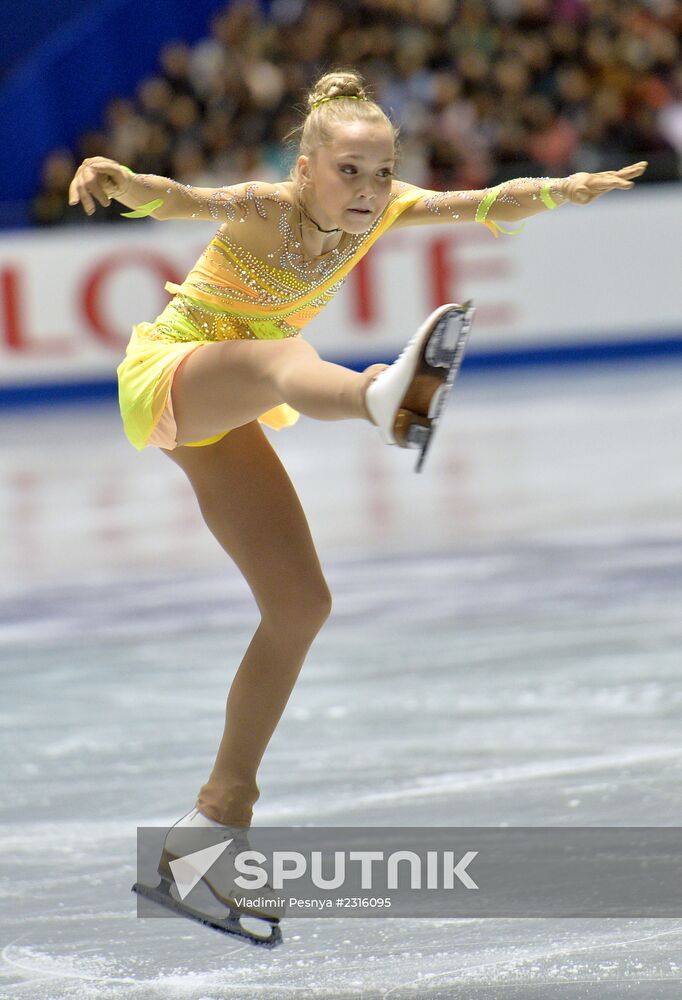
[145,379]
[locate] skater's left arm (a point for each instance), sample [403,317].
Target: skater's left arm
[516,199]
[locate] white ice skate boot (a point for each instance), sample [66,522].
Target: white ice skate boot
[192,853]
[406,399]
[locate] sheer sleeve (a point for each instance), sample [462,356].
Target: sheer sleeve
[163,198]
[507,202]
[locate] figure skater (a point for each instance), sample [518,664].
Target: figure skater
[226,355]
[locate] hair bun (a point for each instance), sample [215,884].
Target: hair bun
[319,128]
[337,84]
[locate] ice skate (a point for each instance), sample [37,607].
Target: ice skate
[406,400]
[191,854]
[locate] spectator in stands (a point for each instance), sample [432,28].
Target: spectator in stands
[51,206]
[670,114]
[175,62]
[483,91]
[154,98]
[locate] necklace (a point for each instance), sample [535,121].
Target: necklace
[319,228]
[293,257]
[322,260]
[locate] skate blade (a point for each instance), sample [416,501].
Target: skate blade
[230,924]
[445,343]
[445,349]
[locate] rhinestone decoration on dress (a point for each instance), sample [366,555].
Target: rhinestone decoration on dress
[232,293]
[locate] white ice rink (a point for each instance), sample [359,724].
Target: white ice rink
[505,649]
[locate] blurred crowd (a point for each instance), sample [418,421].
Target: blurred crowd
[482,91]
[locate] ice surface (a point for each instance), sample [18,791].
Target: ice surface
[504,650]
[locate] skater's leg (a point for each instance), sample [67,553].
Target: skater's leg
[227,384]
[250,505]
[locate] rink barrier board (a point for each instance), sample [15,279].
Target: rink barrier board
[48,393]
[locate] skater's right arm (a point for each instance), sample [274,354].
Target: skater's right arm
[100,179]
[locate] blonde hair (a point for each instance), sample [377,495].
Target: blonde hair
[324,112]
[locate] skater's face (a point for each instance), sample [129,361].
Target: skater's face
[348,182]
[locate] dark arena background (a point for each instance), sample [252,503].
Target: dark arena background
[505,646]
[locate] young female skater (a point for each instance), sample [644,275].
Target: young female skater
[226,355]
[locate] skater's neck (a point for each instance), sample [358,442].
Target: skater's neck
[317,237]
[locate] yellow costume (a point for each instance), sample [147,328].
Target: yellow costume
[232,295]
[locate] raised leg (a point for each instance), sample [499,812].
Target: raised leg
[226,385]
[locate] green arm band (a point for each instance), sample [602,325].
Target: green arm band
[545,195]
[484,207]
[492,194]
[143,210]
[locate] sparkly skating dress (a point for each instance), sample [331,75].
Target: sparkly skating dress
[232,295]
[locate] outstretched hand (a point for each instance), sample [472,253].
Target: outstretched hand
[582,188]
[98,178]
